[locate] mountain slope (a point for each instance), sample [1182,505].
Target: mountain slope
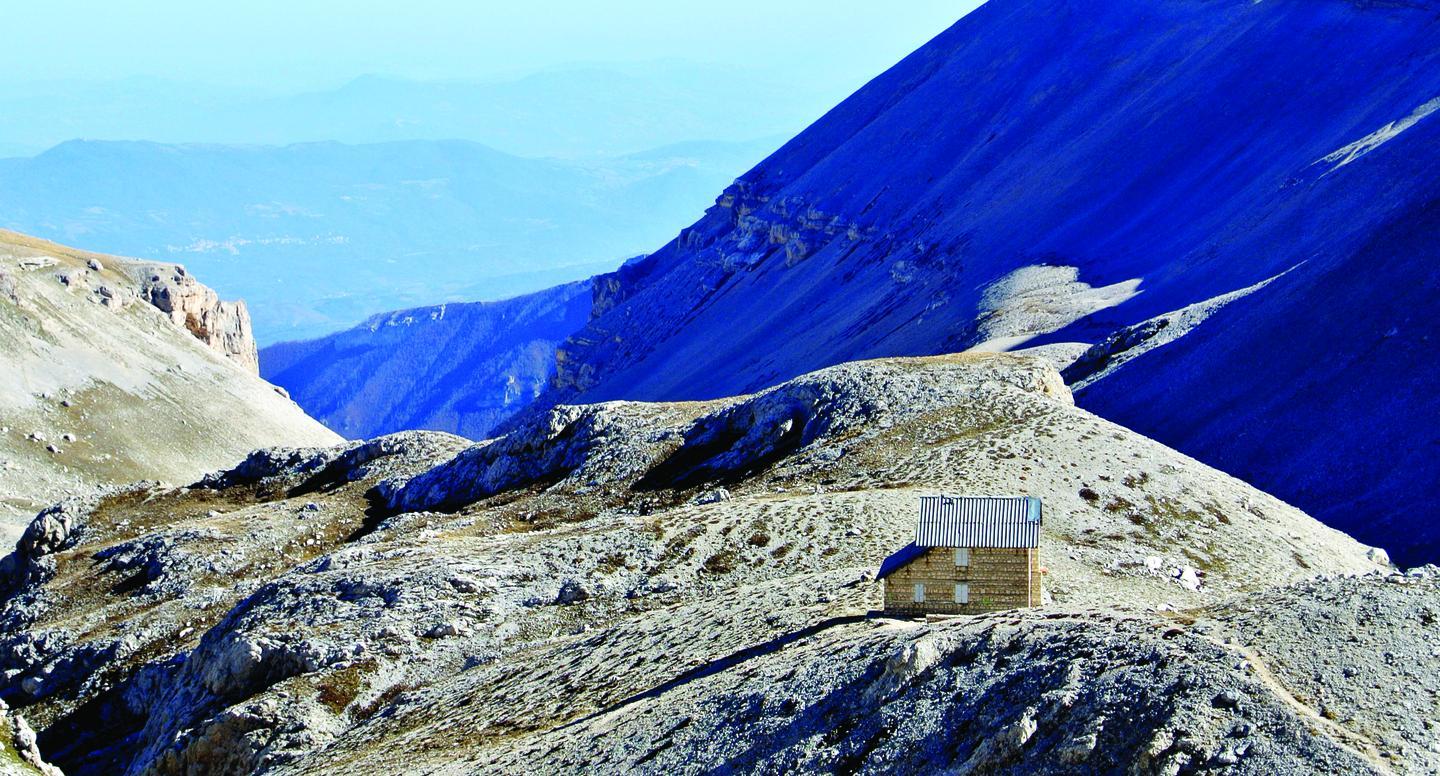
[1069,691]
[319,236]
[418,603]
[461,368]
[1051,172]
[114,370]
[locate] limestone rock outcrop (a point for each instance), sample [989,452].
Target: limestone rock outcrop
[17,742]
[223,326]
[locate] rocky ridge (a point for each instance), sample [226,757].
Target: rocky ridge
[650,587]
[19,755]
[1070,690]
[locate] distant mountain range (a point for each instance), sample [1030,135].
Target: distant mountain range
[578,111]
[318,236]
[1219,216]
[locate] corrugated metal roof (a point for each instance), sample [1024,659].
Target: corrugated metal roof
[950,521]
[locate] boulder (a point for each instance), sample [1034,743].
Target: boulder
[49,532]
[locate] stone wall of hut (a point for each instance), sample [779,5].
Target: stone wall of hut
[998,579]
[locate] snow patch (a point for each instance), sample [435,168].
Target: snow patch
[1039,299]
[1377,138]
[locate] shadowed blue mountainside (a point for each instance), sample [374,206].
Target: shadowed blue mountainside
[318,236]
[1184,149]
[1220,215]
[458,367]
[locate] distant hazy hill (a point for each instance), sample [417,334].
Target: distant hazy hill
[573,111]
[317,236]
[566,112]
[458,367]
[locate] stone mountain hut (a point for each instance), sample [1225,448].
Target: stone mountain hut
[970,555]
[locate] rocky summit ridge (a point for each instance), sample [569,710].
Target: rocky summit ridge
[684,587]
[1078,173]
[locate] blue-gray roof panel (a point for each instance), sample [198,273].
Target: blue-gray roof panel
[951,521]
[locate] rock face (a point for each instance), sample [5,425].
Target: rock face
[224,326]
[18,753]
[461,368]
[632,587]
[1153,183]
[108,376]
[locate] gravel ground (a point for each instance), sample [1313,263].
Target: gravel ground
[419,603]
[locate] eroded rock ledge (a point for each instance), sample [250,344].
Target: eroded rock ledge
[223,326]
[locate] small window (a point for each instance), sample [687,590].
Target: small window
[962,593]
[919,592]
[962,556]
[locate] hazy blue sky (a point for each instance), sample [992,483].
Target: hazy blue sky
[288,43]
